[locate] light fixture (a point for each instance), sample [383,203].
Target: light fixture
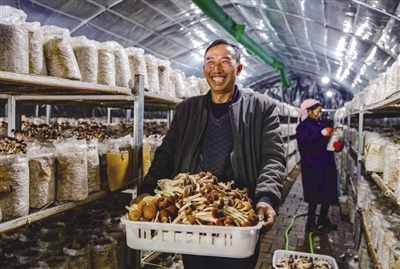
[329,93]
[325,80]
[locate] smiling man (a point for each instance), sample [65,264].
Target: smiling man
[234,135]
[221,66]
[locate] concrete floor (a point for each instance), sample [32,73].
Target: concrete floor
[337,244]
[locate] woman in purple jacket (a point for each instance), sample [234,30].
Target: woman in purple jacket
[318,167]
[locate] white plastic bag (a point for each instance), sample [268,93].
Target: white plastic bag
[164,70]
[391,165]
[122,71]
[180,83]
[37,62]
[336,136]
[93,165]
[106,63]
[152,73]
[42,182]
[14,38]
[172,84]
[374,153]
[60,57]
[137,64]
[85,51]
[204,87]
[72,177]
[192,86]
[14,173]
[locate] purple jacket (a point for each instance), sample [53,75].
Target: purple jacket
[318,167]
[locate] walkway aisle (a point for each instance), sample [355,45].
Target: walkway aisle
[338,244]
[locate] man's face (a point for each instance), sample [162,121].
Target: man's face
[220,68]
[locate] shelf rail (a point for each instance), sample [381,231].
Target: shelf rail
[371,249]
[386,191]
[9,225]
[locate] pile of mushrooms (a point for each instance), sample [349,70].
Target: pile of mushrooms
[302,263]
[40,132]
[10,145]
[85,130]
[195,199]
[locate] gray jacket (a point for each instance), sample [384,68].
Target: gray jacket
[258,157]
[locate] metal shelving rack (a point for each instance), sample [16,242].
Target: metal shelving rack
[17,88]
[389,107]
[289,120]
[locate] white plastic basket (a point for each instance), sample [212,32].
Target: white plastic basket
[278,254]
[234,242]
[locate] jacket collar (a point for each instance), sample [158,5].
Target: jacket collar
[236,96]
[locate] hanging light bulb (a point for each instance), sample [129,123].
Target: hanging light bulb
[325,80]
[329,93]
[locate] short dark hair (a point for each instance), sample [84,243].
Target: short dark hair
[225,42]
[313,107]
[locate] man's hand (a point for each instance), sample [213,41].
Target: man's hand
[266,213]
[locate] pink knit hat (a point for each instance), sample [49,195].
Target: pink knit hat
[305,105]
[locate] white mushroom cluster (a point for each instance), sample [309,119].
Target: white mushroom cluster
[195,199]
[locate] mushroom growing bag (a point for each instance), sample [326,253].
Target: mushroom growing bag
[37,62]
[152,73]
[14,41]
[72,172]
[85,51]
[14,174]
[42,167]
[137,64]
[60,57]
[106,63]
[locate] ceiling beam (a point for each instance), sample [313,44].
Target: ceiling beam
[102,9]
[376,9]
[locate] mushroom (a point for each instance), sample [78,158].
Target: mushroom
[135,214]
[164,215]
[149,211]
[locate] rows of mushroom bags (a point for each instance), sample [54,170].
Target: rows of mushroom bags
[381,155]
[39,147]
[385,86]
[290,117]
[380,151]
[44,164]
[30,48]
[88,236]
[383,221]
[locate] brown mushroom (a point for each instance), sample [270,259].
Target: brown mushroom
[141,204]
[164,215]
[149,211]
[135,214]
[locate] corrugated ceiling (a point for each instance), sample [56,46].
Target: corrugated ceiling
[351,41]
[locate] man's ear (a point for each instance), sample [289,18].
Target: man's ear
[239,69]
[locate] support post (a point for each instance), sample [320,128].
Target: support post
[48,114]
[138,112]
